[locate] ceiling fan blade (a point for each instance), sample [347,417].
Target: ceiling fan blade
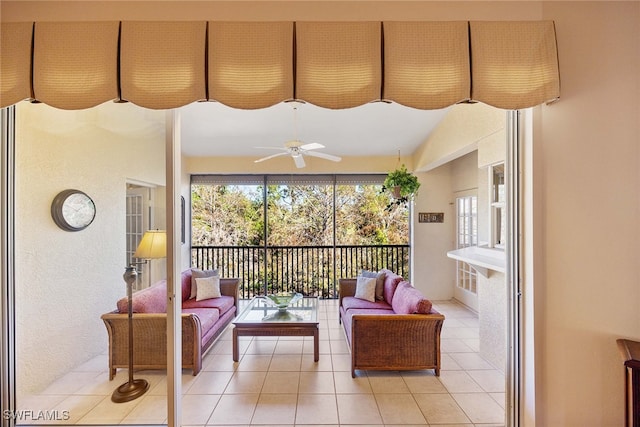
[312,146]
[272,148]
[323,156]
[270,157]
[299,160]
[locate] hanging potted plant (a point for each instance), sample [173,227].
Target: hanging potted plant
[402,184]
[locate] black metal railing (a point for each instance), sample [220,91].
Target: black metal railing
[310,270]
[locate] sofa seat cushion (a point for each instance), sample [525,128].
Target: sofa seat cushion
[223,303]
[356,303]
[208,316]
[409,300]
[149,300]
[223,321]
[378,311]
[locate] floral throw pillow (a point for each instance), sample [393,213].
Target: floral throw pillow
[208,287]
[196,273]
[366,288]
[379,282]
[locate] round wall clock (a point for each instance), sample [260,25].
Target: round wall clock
[73,210]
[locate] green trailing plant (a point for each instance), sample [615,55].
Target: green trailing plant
[403,186]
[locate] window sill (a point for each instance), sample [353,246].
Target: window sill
[482,259]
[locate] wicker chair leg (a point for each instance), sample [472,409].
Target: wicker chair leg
[112,373]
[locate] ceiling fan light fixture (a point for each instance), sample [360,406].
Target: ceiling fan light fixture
[297,150]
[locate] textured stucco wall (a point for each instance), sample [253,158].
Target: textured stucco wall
[492,290]
[492,318]
[66,280]
[431,273]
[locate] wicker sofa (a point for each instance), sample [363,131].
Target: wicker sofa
[202,322]
[398,331]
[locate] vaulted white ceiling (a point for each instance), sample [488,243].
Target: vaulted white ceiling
[375,129]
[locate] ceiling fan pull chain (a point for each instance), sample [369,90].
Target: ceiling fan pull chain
[295,123]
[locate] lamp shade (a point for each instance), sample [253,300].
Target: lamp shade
[153,245]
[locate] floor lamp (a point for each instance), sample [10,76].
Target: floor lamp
[152,246]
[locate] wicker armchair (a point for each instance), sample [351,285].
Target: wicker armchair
[391,341]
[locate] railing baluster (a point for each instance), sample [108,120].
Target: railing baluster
[312,270]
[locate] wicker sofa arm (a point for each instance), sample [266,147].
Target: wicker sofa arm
[346,288]
[150,341]
[231,287]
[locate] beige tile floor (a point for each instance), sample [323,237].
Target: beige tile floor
[276,383]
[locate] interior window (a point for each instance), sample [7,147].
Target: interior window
[498,218]
[467,235]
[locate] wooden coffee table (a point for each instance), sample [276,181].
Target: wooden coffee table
[260,319]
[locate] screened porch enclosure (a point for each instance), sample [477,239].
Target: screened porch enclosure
[296,232]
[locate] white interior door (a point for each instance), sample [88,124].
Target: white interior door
[138,218]
[466,290]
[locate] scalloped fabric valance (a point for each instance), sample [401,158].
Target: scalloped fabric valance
[250,65]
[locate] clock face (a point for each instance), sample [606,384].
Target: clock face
[73,210]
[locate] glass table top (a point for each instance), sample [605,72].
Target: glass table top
[260,311]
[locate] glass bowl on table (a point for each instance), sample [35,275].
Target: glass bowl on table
[282,301]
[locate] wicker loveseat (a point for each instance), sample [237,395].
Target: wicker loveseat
[390,335]
[202,322]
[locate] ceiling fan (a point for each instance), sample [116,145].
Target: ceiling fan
[297,150]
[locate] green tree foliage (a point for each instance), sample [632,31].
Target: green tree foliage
[226,215]
[298,215]
[362,218]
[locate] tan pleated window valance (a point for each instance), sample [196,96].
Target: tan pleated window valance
[15,65]
[77,63]
[515,64]
[162,63]
[426,64]
[248,65]
[338,64]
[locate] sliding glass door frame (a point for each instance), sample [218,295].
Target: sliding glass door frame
[515,171]
[7,267]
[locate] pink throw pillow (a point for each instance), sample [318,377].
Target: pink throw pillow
[409,300]
[391,281]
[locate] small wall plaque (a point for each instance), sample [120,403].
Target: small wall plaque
[431,217]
